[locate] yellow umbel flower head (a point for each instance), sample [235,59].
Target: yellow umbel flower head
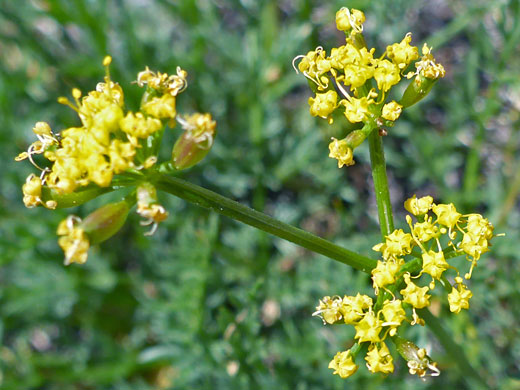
[374,322]
[348,72]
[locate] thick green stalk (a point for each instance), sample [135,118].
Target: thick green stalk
[384,207]
[469,373]
[222,205]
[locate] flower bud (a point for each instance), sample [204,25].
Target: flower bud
[418,361]
[77,235]
[105,221]
[417,90]
[355,138]
[196,141]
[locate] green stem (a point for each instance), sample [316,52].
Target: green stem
[222,205]
[469,373]
[384,207]
[512,195]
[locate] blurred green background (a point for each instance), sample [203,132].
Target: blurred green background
[207,303]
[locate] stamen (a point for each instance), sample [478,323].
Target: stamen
[434,369]
[153,230]
[310,78]
[106,63]
[343,91]
[66,102]
[29,156]
[473,265]
[294,60]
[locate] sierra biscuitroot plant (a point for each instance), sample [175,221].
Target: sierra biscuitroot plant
[114,149]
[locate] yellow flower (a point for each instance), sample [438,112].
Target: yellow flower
[32,191]
[196,141]
[74,242]
[99,169]
[379,360]
[314,65]
[343,364]
[356,110]
[425,231]
[356,75]
[352,66]
[162,82]
[402,54]
[324,104]
[342,152]
[418,206]
[419,362]
[447,215]
[368,328]
[394,314]
[414,295]
[137,125]
[350,20]
[427,66]
[361,302]
[391,111]
[434,264]
[384,274]
[353,308]
[396,244]
[329,309]
[387,74]
[474,246]
[148,208]
[161,107]
[479,226]
[45,139]
[121,155]
[459,297]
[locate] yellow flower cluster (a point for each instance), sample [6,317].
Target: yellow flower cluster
[342,79]
[112,141]
[371,327]
[436,225]
[107,140]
